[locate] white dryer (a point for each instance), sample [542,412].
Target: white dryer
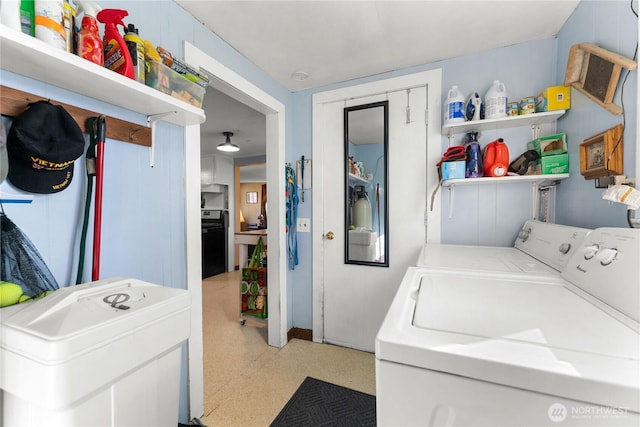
[496,349]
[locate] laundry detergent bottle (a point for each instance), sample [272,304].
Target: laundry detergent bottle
[454,106]
[89,43]
[495,101]
[496,158]
[116,53]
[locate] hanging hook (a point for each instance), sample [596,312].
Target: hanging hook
[408,106]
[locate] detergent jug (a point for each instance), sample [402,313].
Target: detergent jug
[496,158]
[454,106]
[495,101]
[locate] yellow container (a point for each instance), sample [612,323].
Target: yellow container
[554,98]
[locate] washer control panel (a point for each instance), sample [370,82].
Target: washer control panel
[552,244]
[607,266]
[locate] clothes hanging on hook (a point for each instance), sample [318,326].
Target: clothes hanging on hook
[291,194]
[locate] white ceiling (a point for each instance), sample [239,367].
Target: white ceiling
[335,41]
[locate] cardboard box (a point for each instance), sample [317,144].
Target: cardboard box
[453,170]
[554,98]
[558,163]
[549,145]
[166,80]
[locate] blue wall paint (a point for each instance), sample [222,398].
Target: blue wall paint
[610,25]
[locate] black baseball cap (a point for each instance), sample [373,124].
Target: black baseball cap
[42,145]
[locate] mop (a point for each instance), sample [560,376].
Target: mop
[90,162]
[97,130]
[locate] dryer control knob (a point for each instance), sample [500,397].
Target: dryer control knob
[565,248]
[524,234]
[590,251]
[606,256]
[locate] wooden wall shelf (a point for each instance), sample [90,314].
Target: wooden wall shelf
[13,102]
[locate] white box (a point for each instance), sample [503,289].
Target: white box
[101,353]
[362,245]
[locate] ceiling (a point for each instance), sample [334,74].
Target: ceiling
[335,41]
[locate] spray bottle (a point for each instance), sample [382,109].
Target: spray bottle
[116,54]
[136,50]
[89,43]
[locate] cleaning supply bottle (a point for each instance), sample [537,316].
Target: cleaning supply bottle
[495,101]
[116,54]
[27,17]
[474,157]
[454,106]
[49,23]
[68,22]
[136,50]
[496,158]
[89,43]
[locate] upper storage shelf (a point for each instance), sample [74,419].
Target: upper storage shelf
[535,119]
[30,57]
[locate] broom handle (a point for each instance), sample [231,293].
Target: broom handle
[97,215]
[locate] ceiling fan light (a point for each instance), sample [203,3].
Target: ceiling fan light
[227,146]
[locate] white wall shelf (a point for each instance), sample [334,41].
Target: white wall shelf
[356,180]
[539,179]
[30,57]
[533,120]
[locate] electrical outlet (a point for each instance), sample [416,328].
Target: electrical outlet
[303,225]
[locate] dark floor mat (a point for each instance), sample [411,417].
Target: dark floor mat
[319,403]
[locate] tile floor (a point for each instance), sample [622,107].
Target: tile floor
[246,382]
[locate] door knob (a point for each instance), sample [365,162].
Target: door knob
[329,235]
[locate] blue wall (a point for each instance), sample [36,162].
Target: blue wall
[613,26]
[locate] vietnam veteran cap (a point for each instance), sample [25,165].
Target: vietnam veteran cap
[42,145]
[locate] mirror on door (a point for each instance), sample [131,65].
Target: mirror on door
[366,142]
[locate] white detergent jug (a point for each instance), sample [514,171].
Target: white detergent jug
[454,106]
[495,101]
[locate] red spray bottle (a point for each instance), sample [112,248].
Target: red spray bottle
[116,54]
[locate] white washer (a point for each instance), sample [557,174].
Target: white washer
[495,349]
[540,248]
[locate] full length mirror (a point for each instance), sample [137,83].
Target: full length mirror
[366,142]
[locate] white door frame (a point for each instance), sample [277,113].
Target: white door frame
[234,85]
[434,142]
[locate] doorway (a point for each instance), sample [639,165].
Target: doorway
[232,84]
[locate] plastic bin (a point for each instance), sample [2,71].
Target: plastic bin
[104,353]
[166,80]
